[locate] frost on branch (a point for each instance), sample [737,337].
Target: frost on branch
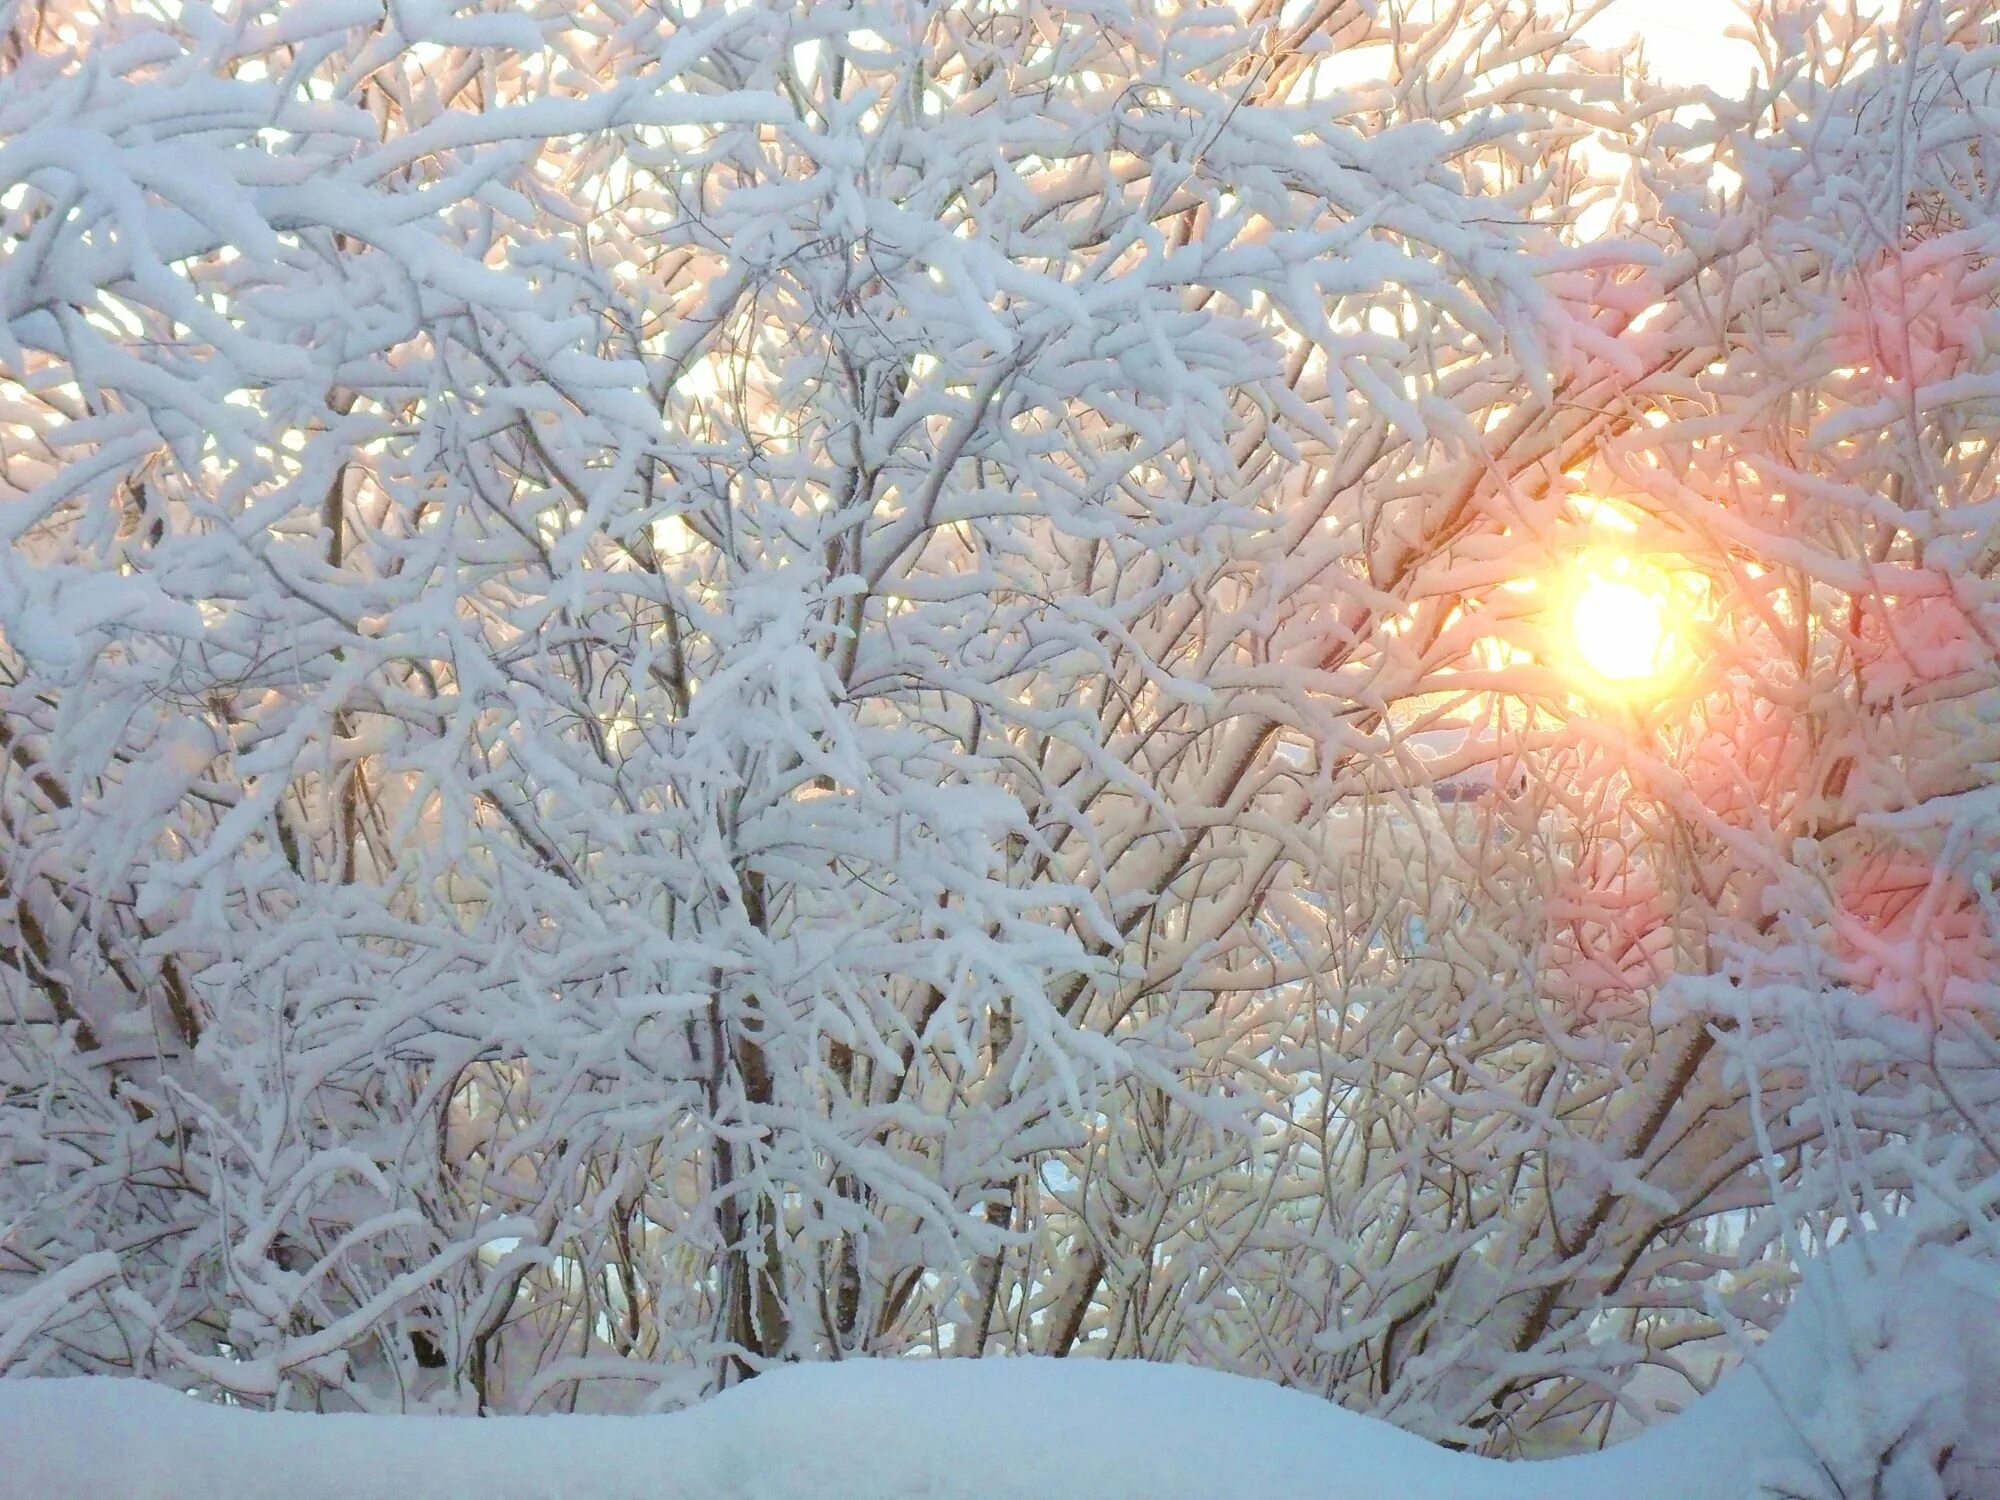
[687,688]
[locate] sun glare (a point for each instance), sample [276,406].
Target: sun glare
[1620,630]
[1620,626]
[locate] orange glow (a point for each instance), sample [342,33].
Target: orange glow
[1620,630]
[1619,627]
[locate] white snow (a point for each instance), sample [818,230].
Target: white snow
[1889,1360]
[941,1429]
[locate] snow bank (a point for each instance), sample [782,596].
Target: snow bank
[1879,1384]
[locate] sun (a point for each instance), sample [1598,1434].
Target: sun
[1620,630]
[1620,626]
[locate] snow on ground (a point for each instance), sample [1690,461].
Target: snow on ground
[1906,1364]
[943,1430]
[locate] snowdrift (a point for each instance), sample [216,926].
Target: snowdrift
[1884,1381]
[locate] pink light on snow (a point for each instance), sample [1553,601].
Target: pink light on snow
[1609,939]
[1911,319]
[1904,643]
[1911,935]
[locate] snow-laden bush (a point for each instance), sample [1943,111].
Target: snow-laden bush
[684,687]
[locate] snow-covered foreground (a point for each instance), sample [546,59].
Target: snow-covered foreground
[987,1429]
[1872,1387]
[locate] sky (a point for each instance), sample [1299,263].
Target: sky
[1686,38]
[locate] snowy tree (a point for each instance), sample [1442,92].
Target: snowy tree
[686,687]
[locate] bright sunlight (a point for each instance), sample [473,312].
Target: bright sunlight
[1619,623]
[1620,629]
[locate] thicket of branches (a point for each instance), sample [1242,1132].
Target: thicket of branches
[684,686]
